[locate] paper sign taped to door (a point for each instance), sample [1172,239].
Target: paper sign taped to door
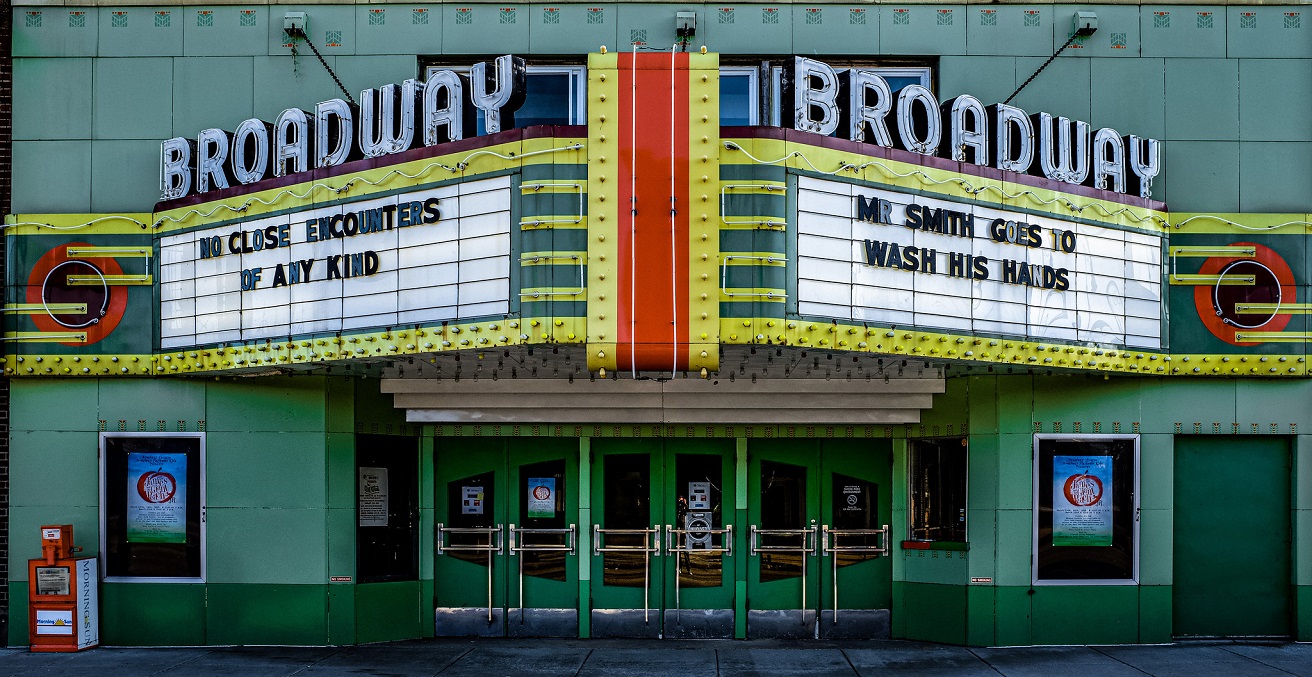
[471,500]
[373,497]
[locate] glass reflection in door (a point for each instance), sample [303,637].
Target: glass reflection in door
[783,506]
[855,504]
[469,506]
[543,489]
[698,512]
[628,506]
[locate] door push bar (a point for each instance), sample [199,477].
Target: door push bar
[675,537]
[522,544]
[806,548]
[494,541]
[494,545]
[651,547]
[829,544]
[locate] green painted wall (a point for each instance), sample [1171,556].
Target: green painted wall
[281,513]
[1221,88]
[280,495]
[1003,414]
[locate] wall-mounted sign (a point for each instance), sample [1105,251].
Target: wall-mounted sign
[418,257]
[859,105]
[1082,500]
[870,255]
[390,119]
[373,497]
[157,498]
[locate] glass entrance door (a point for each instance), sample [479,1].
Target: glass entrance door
[856,571]
[817,561]
[627,503]
[663,539]
[507,537]
[783,509]
[699,539]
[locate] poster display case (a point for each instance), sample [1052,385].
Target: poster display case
[1086,499]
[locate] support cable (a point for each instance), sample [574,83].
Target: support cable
[1036,73]
[299,33]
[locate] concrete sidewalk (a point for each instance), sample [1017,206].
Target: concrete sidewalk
[486,658]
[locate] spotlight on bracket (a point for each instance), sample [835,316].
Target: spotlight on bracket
[685,25]
[295,24]
[1086,24]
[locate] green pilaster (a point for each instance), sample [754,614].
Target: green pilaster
[898,524]
[427,523]
[584,536]
[740,562]
[897,527]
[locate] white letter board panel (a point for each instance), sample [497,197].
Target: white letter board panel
[425,256]
[1097,285]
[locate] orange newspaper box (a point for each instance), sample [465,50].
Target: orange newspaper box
[62,591]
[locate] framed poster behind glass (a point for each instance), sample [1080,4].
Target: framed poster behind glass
[1086,500]
[152,497]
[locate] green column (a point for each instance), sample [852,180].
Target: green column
[584,537]
[427,525]
[740,546]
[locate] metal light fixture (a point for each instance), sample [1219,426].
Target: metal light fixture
[685,26]
[1086,24]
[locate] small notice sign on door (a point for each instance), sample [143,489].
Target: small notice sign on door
[373,497]
[471,502]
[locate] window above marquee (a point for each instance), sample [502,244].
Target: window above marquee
[740,86]
[555,96]
[557,92]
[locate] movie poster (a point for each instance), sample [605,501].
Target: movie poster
[157,498]
[541,497]
[1082,500]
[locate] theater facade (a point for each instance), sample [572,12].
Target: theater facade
[330,324]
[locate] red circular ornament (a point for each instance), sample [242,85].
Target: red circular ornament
[541,493]
[1273,283]
[47,283]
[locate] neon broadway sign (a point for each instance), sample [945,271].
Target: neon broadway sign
[859,105]
[389,119]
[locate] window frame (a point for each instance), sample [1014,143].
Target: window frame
[1134,508]
[753,85]
[578,74]
[377,446]
[911,451]
[924,73]
[103,555]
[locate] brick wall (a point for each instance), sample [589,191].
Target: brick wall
[6,173]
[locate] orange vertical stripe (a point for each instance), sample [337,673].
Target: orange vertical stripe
[653,265]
